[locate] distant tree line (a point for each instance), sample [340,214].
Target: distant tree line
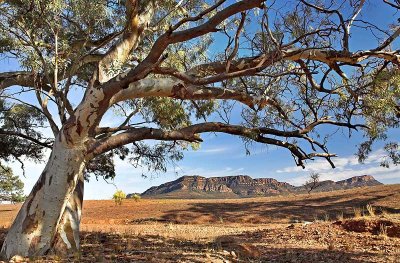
[11,187]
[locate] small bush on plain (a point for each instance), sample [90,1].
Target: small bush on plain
[136,197]
[118,196]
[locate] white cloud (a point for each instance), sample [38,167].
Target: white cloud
[203,171]
[213,150]
[322,165]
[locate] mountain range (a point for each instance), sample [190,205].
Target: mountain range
[244,186]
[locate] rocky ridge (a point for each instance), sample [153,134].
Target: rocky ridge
[245,186]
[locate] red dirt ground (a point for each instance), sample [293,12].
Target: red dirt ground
[320,227]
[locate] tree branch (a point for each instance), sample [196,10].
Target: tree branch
[168,38]
[249,66]
[21,135]
[168,87]
[191,134]
[21,78]
[388,41]
[138,16]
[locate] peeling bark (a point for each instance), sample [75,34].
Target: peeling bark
[48,222]
[174,88]
[67,240]
[36,227]
[138,17]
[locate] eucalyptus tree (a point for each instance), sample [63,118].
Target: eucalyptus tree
[11,187]
[271,72]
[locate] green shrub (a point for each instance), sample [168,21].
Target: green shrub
[118,196]
[136,197]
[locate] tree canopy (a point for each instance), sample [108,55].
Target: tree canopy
[176,67]
[281,73]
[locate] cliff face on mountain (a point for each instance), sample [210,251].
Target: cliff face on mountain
[365,180]
[244,186]
[240,185]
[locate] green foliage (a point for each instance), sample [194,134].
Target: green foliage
[24,120]
[156,157]
[381,101]
[167,113]
[11,187]
[118,197]
[393,154]
[37,22]
[136,197]
[381,110]
[103,165]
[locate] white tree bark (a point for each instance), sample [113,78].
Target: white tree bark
[175,88]
[48,221]
[36,230]
[67,240]
[137,21]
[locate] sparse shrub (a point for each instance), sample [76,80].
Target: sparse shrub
[316,219]
[313,182]
[99,257]
[371,210]
[383,230]
[118,196]
[136,197]
[326,217]
[340,216]
[357,212]
[384,212]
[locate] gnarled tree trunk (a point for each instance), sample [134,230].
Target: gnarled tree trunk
[66,240]
[49,219]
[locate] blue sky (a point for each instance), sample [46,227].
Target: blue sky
[224,155]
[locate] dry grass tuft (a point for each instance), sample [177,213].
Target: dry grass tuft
[384,213]
[371,210]
[326,217]
[340,216]
[357,212]
[383,231]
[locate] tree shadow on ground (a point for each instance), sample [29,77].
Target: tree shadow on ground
[304,209]
[107,247]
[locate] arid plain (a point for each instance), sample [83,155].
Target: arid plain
[357,225]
